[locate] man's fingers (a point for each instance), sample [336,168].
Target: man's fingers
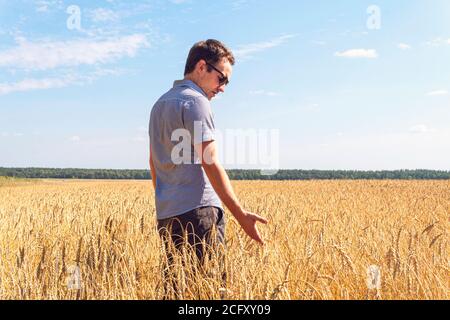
[263,220]
[260,219]
[256,236]
[249,225]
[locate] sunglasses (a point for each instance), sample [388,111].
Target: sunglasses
[223,79]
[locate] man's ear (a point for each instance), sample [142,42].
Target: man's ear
[201,64]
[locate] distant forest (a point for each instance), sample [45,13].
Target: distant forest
[41,173]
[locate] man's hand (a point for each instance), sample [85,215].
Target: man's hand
[248,220]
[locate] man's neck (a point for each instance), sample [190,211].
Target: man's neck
[191,78]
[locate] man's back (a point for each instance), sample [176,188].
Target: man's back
[181,187]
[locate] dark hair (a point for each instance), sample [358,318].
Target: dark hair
[211,51]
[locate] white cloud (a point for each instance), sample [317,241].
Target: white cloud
[246,51]
[42,7]
[438,42]
[103,15]
[75,139]
[47,5]
[53,83]
[319,43]
[421,128]
[34,84]
[403,46]
[312,107]
[15,134]
[238,4]
[178,1]
[358,53]
[46,55]
[264,93]
[438,93]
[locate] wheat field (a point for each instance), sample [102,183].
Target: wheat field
[325,240]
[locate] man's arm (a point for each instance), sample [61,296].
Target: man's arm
[221,184]
[152,170]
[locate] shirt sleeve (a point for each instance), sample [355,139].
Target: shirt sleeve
[198,120]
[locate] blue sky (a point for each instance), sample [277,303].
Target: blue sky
[346,87]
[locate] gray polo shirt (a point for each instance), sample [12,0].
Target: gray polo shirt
[181,187]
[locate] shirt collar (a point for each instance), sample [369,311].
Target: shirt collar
[190,84]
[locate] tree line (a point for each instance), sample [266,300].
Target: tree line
[234,174]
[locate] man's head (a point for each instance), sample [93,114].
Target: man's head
[209,65]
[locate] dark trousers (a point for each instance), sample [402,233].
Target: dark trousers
[196,235]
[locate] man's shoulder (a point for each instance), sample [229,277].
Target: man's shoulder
[187,98]
[183,94]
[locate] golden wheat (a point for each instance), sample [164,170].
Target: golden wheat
[98,240]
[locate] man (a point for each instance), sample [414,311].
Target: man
[188,195]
